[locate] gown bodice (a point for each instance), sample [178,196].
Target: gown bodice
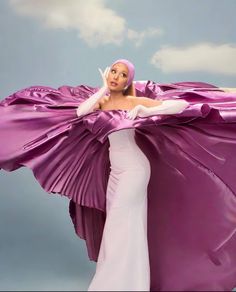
[124,153]
[122,139]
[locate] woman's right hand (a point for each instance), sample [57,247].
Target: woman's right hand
[87,106]
[104,76]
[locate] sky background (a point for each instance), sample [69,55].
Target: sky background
[64,42]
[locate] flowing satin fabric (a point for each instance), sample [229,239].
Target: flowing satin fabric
[191,193]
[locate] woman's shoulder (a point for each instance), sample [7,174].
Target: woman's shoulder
[133,97]
[104,100]
[145,101]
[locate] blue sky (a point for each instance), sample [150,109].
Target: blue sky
[55,42]
[63,42]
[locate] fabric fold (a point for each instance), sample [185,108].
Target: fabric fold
[191,193]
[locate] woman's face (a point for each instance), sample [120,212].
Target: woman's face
[117,77]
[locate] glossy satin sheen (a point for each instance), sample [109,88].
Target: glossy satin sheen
[191,193]
[126,220]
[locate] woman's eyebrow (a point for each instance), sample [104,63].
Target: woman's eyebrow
[115,68]
[124,72]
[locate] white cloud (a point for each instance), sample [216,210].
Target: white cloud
[96,24]
[203,57]
[138,37]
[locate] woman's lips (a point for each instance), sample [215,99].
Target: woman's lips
[113,83]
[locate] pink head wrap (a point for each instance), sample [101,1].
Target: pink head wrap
[130,69]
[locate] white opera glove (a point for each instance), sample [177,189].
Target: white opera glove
[165,108]
[88,105]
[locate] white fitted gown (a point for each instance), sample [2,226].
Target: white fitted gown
[123,260]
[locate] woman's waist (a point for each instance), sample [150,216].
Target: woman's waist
[125,150]
[122,138]
[128,158]
[124,147]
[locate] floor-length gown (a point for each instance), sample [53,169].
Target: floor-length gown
[123,261]
[191,232]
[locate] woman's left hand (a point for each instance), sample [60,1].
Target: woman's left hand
[138,110]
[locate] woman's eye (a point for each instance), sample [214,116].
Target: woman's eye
[113,71]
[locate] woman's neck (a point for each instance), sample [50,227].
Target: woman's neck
[117,96]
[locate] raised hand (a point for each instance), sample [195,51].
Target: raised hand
[89,104]
[104,75]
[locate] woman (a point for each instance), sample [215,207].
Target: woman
[126,198]
[150,177]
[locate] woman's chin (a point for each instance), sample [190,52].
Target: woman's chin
[114,89]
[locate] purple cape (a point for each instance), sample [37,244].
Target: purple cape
[191,193]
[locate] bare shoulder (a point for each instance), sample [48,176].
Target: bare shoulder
[100,104]
[104,99]
[131,97]
[228,89]
[146,101]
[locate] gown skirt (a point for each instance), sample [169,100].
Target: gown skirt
[188,240]
[123,260]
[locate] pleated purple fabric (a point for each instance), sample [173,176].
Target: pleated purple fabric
[191,193]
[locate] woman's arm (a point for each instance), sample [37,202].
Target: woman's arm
[146,101]
[228,89]
[164,108]
[93,101]
[97,106]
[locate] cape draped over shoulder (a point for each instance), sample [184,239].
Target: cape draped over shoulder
[192,189]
